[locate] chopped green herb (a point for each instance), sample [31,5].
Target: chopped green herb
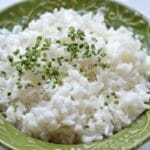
[53,86]
[107,96]
[114,95]
[105,103]
[30,62]
[94,39]
[53,59]
[72,98]
[16,52]
[103,54]
[104,66]
[81,46]
[58,41]
[38,65]
[76,41]
[10,58]
[74,65]
[93,47]
[59,28]
[116,102]
[19,85]
[39,83]
[9,93]
[81,70]
[37,43]
[29,85]
[147,103]
[3,74]
[76,45]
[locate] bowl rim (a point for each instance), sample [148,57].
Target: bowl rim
[114,1]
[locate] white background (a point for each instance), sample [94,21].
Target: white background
[142,6]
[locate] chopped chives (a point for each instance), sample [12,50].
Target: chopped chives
[9,93]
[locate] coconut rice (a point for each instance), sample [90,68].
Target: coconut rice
[92,101]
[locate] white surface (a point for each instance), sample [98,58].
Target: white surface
[5,3]
[142,6]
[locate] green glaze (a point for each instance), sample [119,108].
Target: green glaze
[115,15]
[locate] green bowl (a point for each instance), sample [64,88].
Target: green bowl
[115,15]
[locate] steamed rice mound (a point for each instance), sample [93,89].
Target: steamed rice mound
[82,109]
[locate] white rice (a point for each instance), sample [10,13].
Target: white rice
[51,114]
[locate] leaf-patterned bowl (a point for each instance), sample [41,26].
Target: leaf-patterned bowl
[115,15]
